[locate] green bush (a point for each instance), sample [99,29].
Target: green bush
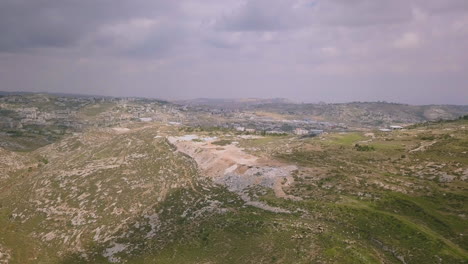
[363,147]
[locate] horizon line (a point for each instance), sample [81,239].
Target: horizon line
[292,101]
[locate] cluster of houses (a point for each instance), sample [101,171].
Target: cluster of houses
[271,126]
[297,131]
[68,112]
[307,132]
[243,129]
[65,111]
[33,116]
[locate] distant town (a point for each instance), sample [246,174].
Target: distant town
[66,114]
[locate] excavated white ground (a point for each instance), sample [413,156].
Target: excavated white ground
[232,167]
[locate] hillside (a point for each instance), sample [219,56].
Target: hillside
[151,193]
[232,103]
[134,180]
[356,114]
[86,190]
[367,114]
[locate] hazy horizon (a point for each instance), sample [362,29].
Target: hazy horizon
[335,51]
[176,100]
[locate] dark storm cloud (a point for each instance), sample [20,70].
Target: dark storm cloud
[61,23]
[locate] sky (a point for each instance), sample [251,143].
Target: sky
[408,51]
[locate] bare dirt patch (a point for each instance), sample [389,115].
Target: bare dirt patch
[232,167]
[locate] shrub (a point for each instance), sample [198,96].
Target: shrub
[427,137]
[222,142]
[363,147]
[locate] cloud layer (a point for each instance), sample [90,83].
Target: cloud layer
[324,50]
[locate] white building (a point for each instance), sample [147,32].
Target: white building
[274,132]
[241,129]
[385,130]
[301,131]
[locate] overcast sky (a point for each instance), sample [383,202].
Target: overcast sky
[411,51]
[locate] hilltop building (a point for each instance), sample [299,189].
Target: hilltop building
[301,131]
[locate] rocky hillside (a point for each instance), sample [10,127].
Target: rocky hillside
[149,192]
[85,190]
[367,114]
